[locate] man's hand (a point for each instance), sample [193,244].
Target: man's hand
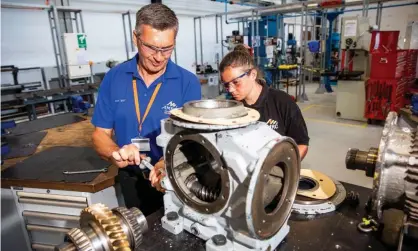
[125,156]
[157,174]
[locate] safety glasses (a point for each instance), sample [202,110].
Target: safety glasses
[235,82]
[152,50]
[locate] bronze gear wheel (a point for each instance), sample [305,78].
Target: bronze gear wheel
[108,223]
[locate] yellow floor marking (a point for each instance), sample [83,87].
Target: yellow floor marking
[308,107]
[336,123]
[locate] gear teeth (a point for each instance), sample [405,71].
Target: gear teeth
[132,218]
[80,240]
[110,225]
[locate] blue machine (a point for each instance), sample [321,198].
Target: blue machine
[414,104]
[5,125]
[267,26]
[314,46]
[79,105]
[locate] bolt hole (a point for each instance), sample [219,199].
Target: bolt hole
[314,195]
[321,180]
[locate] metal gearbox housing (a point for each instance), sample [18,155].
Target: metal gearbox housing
[233,187]
[394,167]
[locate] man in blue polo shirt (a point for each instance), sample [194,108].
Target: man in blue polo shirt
[134,97]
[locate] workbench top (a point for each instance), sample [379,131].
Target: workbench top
[76,135]
[333,231]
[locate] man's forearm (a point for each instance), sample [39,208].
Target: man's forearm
[104,145]
[303,150]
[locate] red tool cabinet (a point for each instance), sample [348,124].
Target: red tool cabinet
[392,72]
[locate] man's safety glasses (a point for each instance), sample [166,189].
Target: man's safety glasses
[152,50]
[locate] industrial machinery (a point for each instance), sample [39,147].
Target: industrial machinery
[234,40]
[230,180]
[355,65]
[318,194]
[79,105]
[16,81]
[394,168]
[119,229]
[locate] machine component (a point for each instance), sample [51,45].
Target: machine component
[395,175]
[355,33]
[5,125]
[221,184]
[414,104]
[351,99]
[314,46]
[79,105]
[119,229]
[104,170]
[362,160]
[314,206]
[234,40]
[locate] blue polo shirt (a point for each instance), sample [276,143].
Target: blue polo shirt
[115,107]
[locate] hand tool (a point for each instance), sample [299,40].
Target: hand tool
[103,170]
[145,163]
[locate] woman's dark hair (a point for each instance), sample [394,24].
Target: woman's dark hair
[240,57]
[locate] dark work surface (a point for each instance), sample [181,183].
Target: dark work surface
[24,145]
[334,231]
[49,165]
[45,123]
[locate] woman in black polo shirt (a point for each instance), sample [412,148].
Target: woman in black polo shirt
[241,79]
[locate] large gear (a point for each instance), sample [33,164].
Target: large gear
[80,239]
[134,219]
[108,223]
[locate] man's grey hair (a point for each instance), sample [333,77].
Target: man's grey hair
[158,16]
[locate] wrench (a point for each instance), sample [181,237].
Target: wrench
[103,170]
[145,163]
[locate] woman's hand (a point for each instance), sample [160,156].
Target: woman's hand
[157,174]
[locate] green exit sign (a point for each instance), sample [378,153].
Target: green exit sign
[81,38]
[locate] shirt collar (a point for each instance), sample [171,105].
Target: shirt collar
[171,71]
[263,96]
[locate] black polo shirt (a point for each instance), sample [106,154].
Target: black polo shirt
[282,114]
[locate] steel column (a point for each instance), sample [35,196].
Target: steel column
[124,33]
[222,35]
[60,46]
[130,31]
[195,41]
[201,42]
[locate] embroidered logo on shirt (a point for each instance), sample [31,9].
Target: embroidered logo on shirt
[168,107]
[273,124]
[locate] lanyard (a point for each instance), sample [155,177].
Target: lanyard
[138,111]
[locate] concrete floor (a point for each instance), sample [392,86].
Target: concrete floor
[332,137]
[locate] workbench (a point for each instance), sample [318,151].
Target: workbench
[333,231]
[39,203]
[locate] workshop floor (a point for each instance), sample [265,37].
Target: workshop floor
[332,137]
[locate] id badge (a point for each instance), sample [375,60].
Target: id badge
[142,144]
